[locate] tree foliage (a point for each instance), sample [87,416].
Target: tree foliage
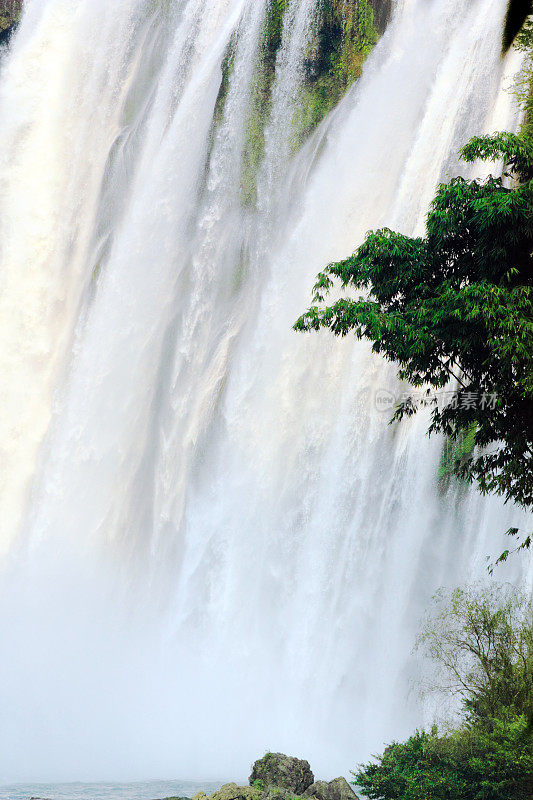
[456,306]
[481,645]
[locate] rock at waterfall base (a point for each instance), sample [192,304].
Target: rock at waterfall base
[280,777]
[231,791]
[283,772]
[338,789]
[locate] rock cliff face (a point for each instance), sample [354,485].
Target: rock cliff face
[382,11]
[338,789]
[343,35]
[9,13]
[518,11]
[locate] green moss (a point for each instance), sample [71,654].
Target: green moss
[273,29]
[455,452]
[524,82]
[259,110]
[344,35]
[10,14]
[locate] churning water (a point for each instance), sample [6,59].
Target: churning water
[213,542]
[147,790]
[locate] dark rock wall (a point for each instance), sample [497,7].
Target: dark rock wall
[516,16]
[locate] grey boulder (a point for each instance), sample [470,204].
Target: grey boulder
[339,789]
[284,772]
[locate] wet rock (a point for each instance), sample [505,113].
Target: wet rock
[231,791]
[382,13]
[517,13]
[283,772]
[320,789]
[183,798]
[343,788]
[280,777]
[338,789]
[277,793]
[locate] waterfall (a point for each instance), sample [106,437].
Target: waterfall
[213,543]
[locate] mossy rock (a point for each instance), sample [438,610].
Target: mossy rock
[282,772]
[345,34]
[178,798]
[338,789]
[231,791]
[10,14]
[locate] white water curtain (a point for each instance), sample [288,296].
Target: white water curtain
[213,542]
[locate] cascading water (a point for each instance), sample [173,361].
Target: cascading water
[214,544]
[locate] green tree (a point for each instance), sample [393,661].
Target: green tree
[481,648]
[480,645]
[456,305]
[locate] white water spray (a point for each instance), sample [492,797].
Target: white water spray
[215,544]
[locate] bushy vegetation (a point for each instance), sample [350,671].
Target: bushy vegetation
[481,645]
[472,764]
